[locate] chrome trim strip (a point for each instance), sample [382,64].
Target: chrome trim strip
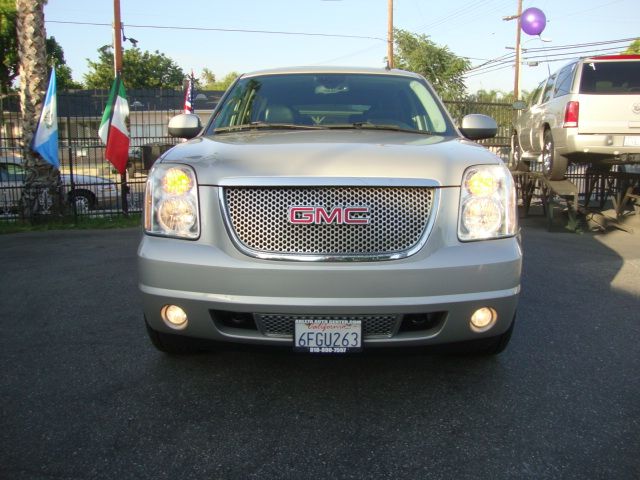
[326,182]
[327,258]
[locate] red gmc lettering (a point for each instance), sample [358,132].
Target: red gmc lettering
[334,217]
[301,215]
[350,211]
[320,215]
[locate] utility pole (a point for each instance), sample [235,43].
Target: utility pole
[117,38]
[518,18]
[516,84]
[390,35]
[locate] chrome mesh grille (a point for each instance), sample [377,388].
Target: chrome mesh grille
[273,325]
[258,218]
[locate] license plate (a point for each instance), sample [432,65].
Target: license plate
[328,336]
[632,141]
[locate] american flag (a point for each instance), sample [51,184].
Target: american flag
[188,96]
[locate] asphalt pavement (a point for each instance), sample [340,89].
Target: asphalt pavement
[85,395]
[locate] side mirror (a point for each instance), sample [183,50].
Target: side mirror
[519,105]
[477,127]
[185,125]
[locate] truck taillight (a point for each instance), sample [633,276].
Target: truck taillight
[571,114]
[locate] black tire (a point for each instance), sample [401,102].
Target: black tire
[516,151]
[83,200]
[172,344]
[485,346]
[554,166]
[516,155]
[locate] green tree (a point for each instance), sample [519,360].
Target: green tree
[8,45]
[55,56]
[9,52]
[495,96]
[30,35]
[139,70]
[226,82]
[443,69]
[208,79]
[634,48]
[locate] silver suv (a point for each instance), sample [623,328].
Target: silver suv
[329,211]
[587,112]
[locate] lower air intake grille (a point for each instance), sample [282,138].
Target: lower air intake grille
[273,325]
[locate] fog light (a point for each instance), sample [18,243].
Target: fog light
[483,319]
[174,316]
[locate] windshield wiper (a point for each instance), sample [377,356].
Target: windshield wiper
[374,126]
[266,125]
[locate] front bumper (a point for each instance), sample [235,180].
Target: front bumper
[445,277]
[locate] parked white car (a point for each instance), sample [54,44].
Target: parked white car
[87,191]
[587,112]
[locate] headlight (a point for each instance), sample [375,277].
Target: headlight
[488,206]
[171,202]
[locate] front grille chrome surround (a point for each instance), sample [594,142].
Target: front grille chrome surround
[401,218]
[283,326]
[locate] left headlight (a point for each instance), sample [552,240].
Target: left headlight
[488,206]
[171,202]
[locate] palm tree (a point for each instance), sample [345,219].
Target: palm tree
[41,176]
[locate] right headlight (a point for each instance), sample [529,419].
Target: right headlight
[171,202]
[488,207]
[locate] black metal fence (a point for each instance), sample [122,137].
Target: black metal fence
[90,185]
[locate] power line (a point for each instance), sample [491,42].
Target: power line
[508,63]
[471,8]
[573,51]
[232,30]
[568,55]
[578,45]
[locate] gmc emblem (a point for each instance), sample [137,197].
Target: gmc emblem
[337,215]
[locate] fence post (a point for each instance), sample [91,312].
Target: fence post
[123,193]
[71,180]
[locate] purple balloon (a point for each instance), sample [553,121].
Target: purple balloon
[533,21]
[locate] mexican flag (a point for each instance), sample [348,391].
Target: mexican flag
[113,128]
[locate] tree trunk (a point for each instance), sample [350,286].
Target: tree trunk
[42,188]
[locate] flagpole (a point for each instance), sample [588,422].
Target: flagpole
[124,187]
[117,38]
[117,66]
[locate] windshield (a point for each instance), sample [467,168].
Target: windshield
[331,101]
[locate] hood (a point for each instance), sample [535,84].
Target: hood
[369,156]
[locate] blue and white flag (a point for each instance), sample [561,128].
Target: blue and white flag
[45,140]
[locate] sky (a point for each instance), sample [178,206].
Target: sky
[469,28]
